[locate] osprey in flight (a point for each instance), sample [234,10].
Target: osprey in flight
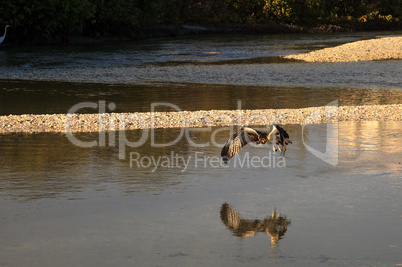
[278,137]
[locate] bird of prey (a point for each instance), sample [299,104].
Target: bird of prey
[278,137]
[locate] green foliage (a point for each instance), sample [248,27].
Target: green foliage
[246,11]
[205,11]
[295,11]
[279,10]
[42,20]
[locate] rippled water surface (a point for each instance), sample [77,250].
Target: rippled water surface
[208,72]
[227,59]
[133,201]
[23,97]
[66,205]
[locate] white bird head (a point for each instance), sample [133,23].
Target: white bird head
[4,35]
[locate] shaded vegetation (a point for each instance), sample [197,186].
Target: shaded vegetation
[41,21]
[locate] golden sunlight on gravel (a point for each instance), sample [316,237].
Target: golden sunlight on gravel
[373,49]
[130,121]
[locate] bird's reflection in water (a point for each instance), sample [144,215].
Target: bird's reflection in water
[275,225]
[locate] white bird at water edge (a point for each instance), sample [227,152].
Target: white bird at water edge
[4,35]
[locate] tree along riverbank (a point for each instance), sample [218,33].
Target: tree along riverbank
[179,30]
[49,21]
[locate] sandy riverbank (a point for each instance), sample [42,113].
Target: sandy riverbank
[373,49]
[130,121]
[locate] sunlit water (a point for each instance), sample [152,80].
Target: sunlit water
[209,72]
[237,60]
[63,205]
[19,97]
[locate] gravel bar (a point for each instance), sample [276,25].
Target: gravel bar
[130,121]
[373,49]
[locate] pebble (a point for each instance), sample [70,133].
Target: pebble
[29,123]
[373,49]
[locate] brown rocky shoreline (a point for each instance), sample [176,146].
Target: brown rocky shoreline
[129,121]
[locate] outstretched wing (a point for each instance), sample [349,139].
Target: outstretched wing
[241,138]
[283,137]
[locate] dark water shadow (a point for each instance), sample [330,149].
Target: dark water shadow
[240,61]
[40,97]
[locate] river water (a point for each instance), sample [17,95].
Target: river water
[333,200]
